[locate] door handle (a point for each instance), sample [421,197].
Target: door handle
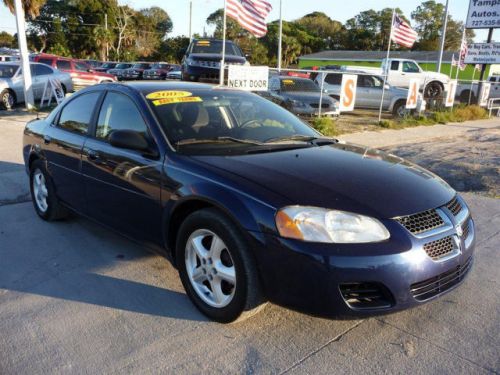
[93,155]
[46,139]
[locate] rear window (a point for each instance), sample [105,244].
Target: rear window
[45,61]
[215,46]
[63,64]
[334,79]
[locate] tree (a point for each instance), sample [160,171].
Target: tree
[6,40]
[31,7]
[429,23]
[321,26]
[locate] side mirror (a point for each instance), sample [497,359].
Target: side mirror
[129,140]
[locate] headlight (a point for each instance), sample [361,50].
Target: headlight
[297,103]
[331,226]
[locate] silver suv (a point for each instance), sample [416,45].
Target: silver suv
[368,91]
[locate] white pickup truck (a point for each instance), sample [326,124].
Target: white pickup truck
[401,71]
[468,91]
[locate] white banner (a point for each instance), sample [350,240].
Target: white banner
[348,92]
[483,53]
[483,14]
[248,78]
[412,98]
[485,94]
[451,91]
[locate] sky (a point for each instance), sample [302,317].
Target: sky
[292,9]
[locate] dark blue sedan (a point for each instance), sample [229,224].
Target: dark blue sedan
[249,202]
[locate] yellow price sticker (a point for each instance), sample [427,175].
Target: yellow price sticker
[188,99]
[288,81]
[168,94]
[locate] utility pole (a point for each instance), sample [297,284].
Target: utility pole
[106,28]
[483,66]
[190,20]
[280,39]
[443,37]
[23,49]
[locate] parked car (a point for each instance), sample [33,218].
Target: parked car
[201,61]
[368,91]
[157,71]
[81,73]
[106,66]
[466,90]
[249,202]
[301,96]
[12,84]
[118,70]
[175,72]
[136,72]
[8,58]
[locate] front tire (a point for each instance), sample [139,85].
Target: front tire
[7,99]
[43,194]
[216,267]
[433,90]
[399,110]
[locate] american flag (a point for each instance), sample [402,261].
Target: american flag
[250,14]
[463,53]
[402,33]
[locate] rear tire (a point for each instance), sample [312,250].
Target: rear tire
[216,267]
[43,194]
[399,110]
[7,99]
[433,90]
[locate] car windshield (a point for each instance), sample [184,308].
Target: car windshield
[291,84]
[8,71]
[224,119]
[159,66]
[141,66]
[122,66]
[108,65]
[215,46]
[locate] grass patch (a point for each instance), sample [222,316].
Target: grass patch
[325,125]
[443,116]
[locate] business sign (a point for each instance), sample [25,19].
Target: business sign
[248,78]
[451,91]
[412,98]
[483,14]
[483,53]
[348,92]
[485,94]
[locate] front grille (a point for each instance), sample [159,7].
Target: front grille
[366,295]
[454,206]
[209,64]
[432,287]
[323,105]
[439,248]
[421,222]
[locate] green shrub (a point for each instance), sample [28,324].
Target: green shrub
[325,125]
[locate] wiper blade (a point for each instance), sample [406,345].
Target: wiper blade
[191,141]
[302,138]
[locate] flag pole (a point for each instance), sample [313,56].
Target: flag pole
[459,65]
[280,37]
[386,73]
[451,64]
[222,62]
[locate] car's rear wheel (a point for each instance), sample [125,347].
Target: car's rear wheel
[216,267]
[399,110]
[43,195]
[7,99]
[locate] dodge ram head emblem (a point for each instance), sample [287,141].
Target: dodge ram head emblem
[459,230]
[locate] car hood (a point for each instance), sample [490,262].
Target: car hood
[217,57]
[306,96]
[437,76]
[341,176]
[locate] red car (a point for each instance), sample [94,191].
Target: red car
[81,73]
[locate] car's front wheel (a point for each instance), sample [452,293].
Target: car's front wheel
[216,267]
[7,99]
[43,194]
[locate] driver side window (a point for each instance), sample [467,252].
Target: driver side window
[410,67]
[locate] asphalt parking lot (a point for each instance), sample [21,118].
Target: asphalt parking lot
[76,298]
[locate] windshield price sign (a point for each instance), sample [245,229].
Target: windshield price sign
[248,78]
[483,14]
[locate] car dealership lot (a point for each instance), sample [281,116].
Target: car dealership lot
[77,298]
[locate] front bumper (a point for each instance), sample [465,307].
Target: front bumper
[329,279]
[309,110]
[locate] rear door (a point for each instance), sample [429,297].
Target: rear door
[63,145]
[41,75]
[372,92]
[123,186]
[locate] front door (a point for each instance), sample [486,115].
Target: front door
[123,186]
[64,142]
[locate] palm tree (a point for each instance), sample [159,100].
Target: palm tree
[31,7]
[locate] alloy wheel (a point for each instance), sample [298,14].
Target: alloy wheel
[210,268]
[40,191]
[8,100]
